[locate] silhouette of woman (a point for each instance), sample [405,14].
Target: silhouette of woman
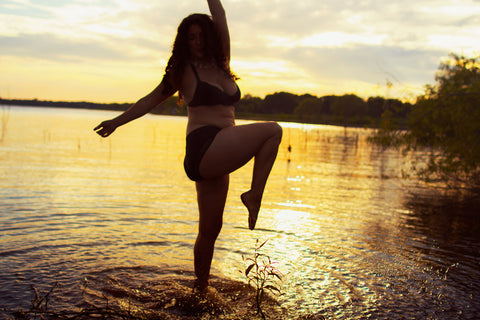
[199,69]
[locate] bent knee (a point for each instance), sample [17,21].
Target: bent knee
[277,130]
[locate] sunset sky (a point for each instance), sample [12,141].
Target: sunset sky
[116,50]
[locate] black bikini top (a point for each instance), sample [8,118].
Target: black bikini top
[210,95]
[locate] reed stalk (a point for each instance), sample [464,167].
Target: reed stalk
[5,118]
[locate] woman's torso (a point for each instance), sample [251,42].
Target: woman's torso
[218,109]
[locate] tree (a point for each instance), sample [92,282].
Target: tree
[375,106]
[349,106]
[328,102]
[310,108]
[280,102]
[446,122]
[249,104]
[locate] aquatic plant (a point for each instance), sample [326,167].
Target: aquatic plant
[41,309]
[5,118]
[262,275]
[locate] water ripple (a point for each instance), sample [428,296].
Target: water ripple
[340,222]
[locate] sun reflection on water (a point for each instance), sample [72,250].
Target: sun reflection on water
[334,214]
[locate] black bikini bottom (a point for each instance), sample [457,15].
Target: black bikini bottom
[198,142]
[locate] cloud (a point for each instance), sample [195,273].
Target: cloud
[373,64]
[311,43]
[52,47]
[357,69]
[16,8]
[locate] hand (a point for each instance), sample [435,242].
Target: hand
[106,128]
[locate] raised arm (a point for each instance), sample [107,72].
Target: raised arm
[220,20]
[140,108]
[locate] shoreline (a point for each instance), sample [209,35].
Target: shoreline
[181,111]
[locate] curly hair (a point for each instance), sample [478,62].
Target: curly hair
[181,52]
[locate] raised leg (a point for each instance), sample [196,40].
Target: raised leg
[211,197]
[233,147]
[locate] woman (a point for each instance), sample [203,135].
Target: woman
[199,69]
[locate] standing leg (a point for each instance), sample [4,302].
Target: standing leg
[235,146]
[211,197]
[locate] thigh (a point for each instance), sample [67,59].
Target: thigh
[234,146]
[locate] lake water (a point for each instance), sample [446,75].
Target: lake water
[338,216]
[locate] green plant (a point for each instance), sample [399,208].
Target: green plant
[444,126]
[262,275]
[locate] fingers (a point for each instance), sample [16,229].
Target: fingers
[102,126]
[104,133]
[103,130]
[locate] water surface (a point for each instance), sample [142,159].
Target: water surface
[337,215]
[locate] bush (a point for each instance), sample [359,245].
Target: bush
[446,122]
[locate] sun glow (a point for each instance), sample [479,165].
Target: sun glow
[85,80]
[268,76]
[336,39]
[447,41]
[326,39]
[307,48]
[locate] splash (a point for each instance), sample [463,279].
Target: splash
[147,292]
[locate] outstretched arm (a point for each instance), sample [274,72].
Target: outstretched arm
[220,20]
[140,108]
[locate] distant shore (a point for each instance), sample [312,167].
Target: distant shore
[65,104]
[171,108]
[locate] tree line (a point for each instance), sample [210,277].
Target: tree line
[65,104]
[347,109]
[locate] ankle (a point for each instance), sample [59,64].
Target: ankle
[200,285]
[252,195]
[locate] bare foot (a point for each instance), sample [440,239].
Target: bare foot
[253,205]
[200,286]
[206,292]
